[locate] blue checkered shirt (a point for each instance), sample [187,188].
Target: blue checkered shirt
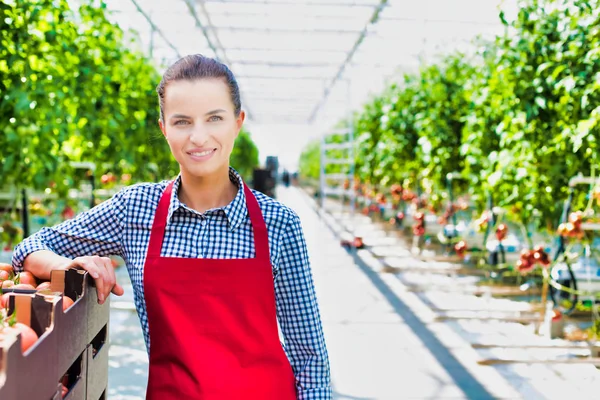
[121,226]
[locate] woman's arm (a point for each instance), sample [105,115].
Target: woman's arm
[299,316]
[80,242]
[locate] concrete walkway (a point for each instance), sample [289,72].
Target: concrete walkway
[375,353]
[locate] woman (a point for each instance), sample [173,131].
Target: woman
[214,265]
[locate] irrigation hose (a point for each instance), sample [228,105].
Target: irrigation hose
[569,290]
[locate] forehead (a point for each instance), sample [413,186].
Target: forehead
[200,95]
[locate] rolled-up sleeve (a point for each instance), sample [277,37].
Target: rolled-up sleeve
[95,232]
[299,316]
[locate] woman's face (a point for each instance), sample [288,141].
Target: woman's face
[200,125]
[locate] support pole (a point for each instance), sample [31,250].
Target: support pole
[25,213]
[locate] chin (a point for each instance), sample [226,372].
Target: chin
[207,169]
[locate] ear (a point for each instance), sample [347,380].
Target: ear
[162,127]
[239,122]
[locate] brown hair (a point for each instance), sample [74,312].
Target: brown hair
[195,67]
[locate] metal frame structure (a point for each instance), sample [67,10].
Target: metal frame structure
[330,40]
[347,149]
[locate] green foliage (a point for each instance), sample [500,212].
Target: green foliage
[244,157]
[539,102]
[309,166]
[517,120]
[72,90]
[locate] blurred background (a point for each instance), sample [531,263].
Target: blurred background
[442,155]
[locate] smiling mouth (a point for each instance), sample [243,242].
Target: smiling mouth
[202,153]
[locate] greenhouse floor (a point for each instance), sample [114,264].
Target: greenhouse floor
[381,347]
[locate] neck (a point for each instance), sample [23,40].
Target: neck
[207,192]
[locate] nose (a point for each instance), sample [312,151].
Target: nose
[198,135]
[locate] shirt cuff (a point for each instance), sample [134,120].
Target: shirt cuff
[24,249]
[323,393]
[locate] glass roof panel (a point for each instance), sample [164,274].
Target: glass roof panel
[287,54]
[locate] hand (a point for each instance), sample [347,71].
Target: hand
[103,271]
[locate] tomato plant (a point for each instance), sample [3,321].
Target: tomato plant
[516,120]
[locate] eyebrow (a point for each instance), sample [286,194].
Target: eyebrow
[174,116]
[213,112]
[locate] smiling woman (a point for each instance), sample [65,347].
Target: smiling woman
[201,117]
[236,259]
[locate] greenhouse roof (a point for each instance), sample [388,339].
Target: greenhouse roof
[302,62]
[294,59]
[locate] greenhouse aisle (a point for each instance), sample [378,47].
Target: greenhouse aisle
[378,350]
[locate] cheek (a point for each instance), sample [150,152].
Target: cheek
[175,141]
[226,135]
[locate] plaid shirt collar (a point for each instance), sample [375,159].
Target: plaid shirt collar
[236,211]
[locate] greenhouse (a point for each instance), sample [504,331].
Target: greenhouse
[299,199]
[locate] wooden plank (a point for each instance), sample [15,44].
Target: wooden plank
[530,346]
[477,291]
[487,310]
[433,270]
[442,258]
[573,361]
[519,320]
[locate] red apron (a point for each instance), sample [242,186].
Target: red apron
[212,322]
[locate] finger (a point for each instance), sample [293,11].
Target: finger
[103,281]
[96,270]
[118,290]
[110,269]
[88,264]
[111,279]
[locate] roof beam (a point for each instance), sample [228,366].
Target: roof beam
[357,44]
[199,24]
[374,65]
[291,99]
[156,28]
[294,2]
[319,16]
[283,64]
[292,30]
[281,120]
[283,78]
[288,49]
[441,21]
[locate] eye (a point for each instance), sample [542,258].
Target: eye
[215,118]
[181,122]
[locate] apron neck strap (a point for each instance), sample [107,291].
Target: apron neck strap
[259,228]
[160,222]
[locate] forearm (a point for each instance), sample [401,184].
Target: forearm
[95,232]
[300,319]
[40,263]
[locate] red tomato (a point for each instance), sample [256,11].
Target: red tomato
[67,302]
[27,278]
[24,286]
[28,335]
[7,284]
[43,286]
[4,275]
[4,300]
[6,267]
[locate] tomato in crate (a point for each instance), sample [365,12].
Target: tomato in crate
[29,349]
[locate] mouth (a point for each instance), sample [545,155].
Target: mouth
[201,155]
